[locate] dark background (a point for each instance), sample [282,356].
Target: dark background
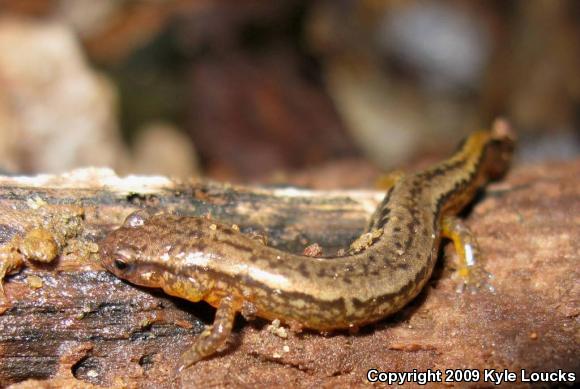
[281,91]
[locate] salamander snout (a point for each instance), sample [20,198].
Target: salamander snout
[114,257]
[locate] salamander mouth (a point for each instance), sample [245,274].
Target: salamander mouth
[148,276]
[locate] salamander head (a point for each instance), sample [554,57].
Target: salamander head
[131,252]
[148,250]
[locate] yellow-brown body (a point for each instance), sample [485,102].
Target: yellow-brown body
[200,259]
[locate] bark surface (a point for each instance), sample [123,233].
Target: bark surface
[69,323]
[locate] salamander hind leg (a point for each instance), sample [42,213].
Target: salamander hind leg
[213,337]
[470,269]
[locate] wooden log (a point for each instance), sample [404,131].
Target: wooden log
[71,323]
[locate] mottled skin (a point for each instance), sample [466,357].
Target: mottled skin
[200,259]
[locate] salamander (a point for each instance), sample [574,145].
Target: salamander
[200,259]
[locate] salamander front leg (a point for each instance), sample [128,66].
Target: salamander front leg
[470,269]
[213,337]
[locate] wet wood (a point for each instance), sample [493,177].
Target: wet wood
[69,322]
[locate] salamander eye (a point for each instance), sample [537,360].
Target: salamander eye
[120,264]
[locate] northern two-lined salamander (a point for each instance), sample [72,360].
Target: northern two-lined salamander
[200,259]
